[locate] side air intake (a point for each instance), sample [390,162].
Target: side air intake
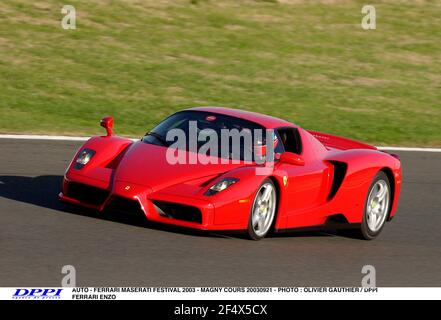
[340,169]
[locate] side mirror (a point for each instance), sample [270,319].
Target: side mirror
[107,123]
[292,158]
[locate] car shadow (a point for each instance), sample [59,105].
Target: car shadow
[43,191]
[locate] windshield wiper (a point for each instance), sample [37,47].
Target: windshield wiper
[159,137]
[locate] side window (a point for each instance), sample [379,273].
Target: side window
[291,140]
[278,148]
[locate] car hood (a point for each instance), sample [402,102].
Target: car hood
[146,165]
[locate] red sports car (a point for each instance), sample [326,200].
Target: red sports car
[274,177]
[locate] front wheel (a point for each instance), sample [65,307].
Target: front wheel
[263,211]
[376,209]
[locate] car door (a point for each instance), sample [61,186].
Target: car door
[305,185]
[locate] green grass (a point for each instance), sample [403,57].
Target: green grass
[140,60]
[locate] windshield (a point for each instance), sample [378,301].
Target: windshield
[209,133]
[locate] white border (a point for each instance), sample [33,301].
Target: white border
[69,138]
[46,137]
[224,293]
[414,149]
[41,137]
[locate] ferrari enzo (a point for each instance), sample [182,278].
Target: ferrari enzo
[311,179]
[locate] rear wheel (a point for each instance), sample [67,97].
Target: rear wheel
[376,208]
[263,210]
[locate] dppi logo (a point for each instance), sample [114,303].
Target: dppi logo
[37,294]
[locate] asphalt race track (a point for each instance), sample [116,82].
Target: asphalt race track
[39,235]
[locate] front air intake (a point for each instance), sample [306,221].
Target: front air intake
[125,206]
[178,211]
[87,194]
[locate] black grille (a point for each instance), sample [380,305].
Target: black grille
[86,193]
[178,211]
[125,206]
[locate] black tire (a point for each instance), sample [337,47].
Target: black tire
[251,233]
[363,231]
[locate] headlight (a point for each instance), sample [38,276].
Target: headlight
[220,185]
[84,158]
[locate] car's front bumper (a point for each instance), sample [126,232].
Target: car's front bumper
[159,207]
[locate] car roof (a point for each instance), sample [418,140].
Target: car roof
[261,119]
